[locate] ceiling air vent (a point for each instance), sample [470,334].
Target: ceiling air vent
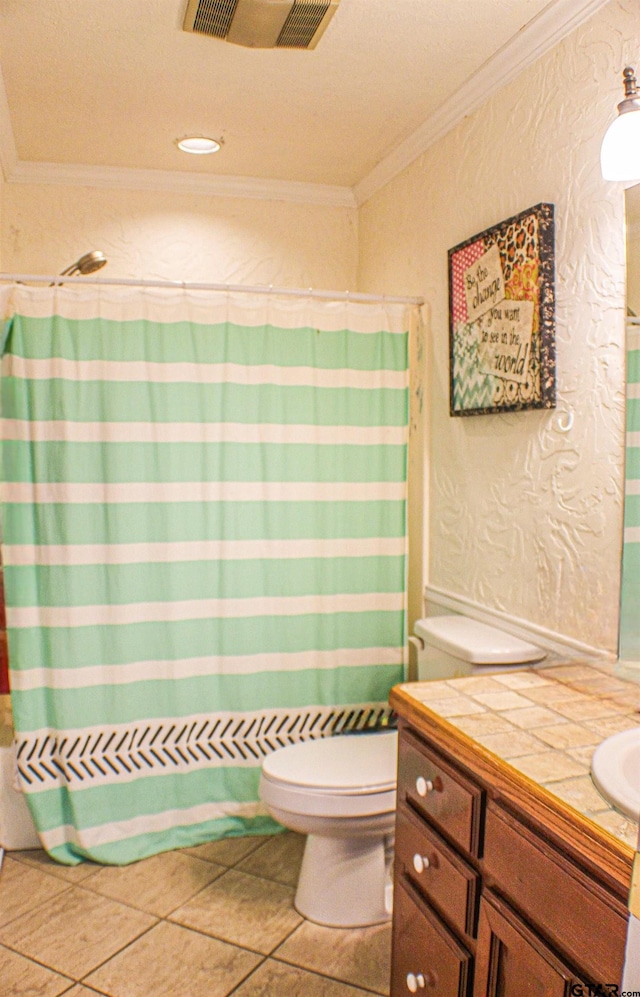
[261,23]
[211,17]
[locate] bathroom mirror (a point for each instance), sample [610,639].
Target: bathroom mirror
[630,597]
[632,212]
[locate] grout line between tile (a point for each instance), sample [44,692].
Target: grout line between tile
[225,869]
[326,976]
[244,979]
[231,865]
[305,969]
[31,910]
[256,875]
[77,983]
[288,936]
[116,952]
[217,938]
[29,958]
[143,910]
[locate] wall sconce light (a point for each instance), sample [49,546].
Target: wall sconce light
[620,153]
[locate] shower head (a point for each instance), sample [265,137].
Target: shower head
[87,264]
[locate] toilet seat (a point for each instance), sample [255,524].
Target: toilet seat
[351,776]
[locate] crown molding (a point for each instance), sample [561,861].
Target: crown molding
[77,175]
[549,27]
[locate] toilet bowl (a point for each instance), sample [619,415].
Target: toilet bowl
[341,792]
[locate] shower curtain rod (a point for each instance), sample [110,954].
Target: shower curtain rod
[21,278]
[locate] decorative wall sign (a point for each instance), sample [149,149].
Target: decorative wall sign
[502,317]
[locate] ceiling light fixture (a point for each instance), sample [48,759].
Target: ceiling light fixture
[198,145]
[620,153]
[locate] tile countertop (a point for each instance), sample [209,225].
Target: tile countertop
[546,722]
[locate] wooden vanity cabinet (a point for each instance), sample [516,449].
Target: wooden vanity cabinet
[500,890]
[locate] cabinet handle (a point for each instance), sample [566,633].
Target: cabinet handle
[420,862]
[423,786]
[415,982]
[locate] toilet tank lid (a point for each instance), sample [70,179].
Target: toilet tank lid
[475,642]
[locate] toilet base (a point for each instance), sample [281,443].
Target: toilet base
[345,882]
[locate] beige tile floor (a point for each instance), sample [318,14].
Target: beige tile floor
[209,921]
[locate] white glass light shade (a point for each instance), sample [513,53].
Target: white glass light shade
[620,153]
[198,145]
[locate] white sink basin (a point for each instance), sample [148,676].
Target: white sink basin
[615,770]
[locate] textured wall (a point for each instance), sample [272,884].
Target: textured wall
[178,236]
[523,516]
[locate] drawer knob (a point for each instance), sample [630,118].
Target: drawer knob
[420,862]
[415,982]
[423,786]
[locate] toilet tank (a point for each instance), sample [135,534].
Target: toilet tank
[454,646]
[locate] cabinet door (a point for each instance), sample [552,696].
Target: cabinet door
[512,961]
[426,957]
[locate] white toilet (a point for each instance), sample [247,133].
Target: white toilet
[341,791]
[456,646]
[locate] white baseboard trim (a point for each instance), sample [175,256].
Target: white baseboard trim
[548,639]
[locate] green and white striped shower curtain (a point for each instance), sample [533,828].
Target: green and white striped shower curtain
[204,528]
[630,596]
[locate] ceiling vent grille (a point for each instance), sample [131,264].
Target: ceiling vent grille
[214,17]
[261,23]
[302,23]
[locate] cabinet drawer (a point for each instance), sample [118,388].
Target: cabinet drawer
[438,791]
[440,875]
[426,956]
[570,908]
